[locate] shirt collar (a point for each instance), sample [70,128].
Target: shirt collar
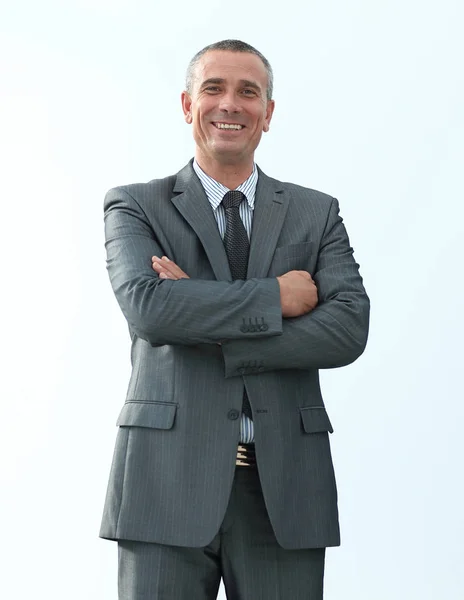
[216,191]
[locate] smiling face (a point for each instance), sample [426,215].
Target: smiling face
[228,108]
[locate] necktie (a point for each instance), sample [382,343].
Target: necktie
[237,249]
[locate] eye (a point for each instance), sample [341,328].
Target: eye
[212,88]
[249,92]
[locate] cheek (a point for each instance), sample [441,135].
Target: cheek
[202,119]
[198,120]
[261,124]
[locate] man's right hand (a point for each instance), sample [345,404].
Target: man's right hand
[298,293]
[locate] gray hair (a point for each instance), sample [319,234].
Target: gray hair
[232,46]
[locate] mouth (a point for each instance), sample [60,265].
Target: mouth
[228,126]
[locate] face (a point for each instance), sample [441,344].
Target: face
[228,108]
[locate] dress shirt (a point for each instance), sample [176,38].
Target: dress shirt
[215,192]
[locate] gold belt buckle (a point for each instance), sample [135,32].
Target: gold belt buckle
[245,458]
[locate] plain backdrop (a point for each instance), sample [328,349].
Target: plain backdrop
[369,108]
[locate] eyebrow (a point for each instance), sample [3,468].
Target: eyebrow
[243,82]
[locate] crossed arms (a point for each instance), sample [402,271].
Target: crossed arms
[318,322]
[298,292]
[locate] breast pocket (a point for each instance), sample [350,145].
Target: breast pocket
[294,257]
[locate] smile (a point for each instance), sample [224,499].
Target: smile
[235,126]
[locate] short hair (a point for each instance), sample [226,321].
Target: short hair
[231,46]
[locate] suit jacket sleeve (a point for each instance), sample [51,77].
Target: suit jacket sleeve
[332,335]
[188,311]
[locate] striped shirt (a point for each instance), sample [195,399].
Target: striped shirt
[215,192]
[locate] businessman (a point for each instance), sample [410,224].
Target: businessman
[237,288]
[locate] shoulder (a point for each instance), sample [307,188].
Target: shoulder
[300,193]
[155,189]
[140,191]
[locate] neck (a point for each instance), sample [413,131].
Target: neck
[229,174]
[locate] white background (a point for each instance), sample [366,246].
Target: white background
[369,108]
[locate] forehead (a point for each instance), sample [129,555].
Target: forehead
[231,66]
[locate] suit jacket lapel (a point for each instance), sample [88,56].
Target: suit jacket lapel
[271,204]
[194,206]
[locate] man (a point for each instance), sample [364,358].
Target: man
[237,288]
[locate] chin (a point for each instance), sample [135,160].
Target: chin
[228,155]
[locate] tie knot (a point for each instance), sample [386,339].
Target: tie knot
[233,199]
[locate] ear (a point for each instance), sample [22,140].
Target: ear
[269,112]
[187,107]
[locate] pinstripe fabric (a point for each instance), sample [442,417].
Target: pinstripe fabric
[244,552]
[174,460]
[215,192]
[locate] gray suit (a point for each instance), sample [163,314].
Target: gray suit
[174,459]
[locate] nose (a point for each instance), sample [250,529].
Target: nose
[229,103]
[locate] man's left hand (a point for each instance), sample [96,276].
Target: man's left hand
[167,269]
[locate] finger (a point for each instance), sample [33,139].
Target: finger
[155,262]
[162,272]
[159,266]
[166,275]
[172,268]
[164,263]
[169,267]
[305,274]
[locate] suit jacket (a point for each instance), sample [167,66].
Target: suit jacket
[174,459]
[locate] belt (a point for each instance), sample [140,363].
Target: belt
[246,456]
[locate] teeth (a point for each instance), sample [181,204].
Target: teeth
[228,126]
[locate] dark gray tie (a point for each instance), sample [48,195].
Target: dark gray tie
[237,248]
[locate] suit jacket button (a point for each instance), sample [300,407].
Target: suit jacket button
[241,370]
[233,414]
[264,327]
[260,369]
[252,328]
[244,328]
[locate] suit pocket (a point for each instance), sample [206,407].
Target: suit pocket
[292,257]
[155,415]
[315,419]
